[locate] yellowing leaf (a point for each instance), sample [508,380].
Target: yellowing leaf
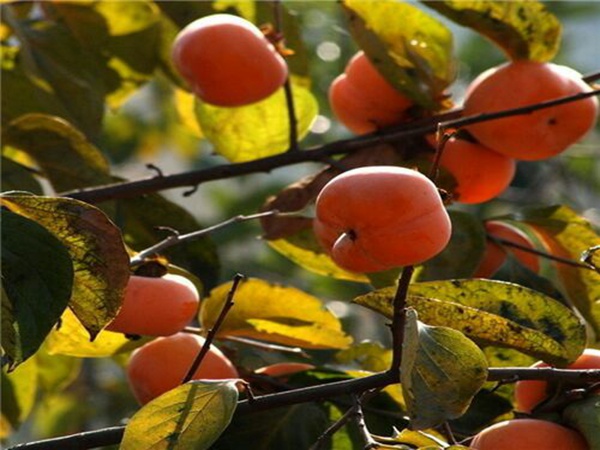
[441,372]
[494,313]
[71,339]
[411,49]
[19,389]
[191,416]
[95,245]
[524,30]
[184,104]
[257,130]
[303,249]
[274,313]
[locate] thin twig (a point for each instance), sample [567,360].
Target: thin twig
[237,279]
[360,422]
[399,317]
[175,239]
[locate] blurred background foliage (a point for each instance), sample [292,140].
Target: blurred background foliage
[148,122]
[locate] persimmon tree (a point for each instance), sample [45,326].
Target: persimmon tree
[450,339]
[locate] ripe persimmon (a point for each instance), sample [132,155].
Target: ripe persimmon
[363,100]
[228,61]
[481,173]
[528,434]
[161,365]
[495,254]
[375,218]
[540,134]
[529,393]
[156,306]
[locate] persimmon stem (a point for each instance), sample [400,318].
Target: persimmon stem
[399,317]
[237,279]
[175,238]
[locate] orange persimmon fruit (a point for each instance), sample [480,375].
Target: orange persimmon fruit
[363,100]
[543,133]
[495,254]
[156,306]
[228,61]
[161,365]
[528,434]
[529,393]
[376,218]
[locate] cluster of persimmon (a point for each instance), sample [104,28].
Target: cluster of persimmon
[483,160]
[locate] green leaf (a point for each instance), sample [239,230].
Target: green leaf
[274,313]
[566,234]
[19,389]
[17,177]
[191,416]
[441,372]
[257,130]
[64,154]
[411,49]
[494,313]
[584,416]
[37,277]
[95,246]
[523,30]
[463,253]
[303,249]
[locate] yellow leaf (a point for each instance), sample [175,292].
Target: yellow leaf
[274,313]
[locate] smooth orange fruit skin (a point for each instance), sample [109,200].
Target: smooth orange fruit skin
[481,174]
[376,218]
[363,100]
[528,393]
[161,365]
[528,434]
[495,254]
[228,61]
[156,306]
[283,369]
[543,133]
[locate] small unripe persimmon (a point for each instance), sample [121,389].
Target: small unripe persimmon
[529,393]
[495,254]
[228,61]
[363,100]
[543,133]
[283,369]
[376,218]
[161,365]
[156,306]
[481,173]
[528,434]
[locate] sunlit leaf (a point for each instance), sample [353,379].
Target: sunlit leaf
[441,372]
[566,234]
[37,277]
[56,372]
[64,154]
[304,250]
[274,313]
[95,246]
[371,356]
[184,103]
[523,30]
[463,253]
[72,339]
[19,389]
[16,176]
[191,416]
[257,130]
[494,313]
[411,49]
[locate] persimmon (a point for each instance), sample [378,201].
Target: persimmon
[363,100]
[481,173]
[161,365]
[540,134]
[228,61]
[529,393]
[495,254]
[156,306]
[375,218]
[283,369]
[528,434]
